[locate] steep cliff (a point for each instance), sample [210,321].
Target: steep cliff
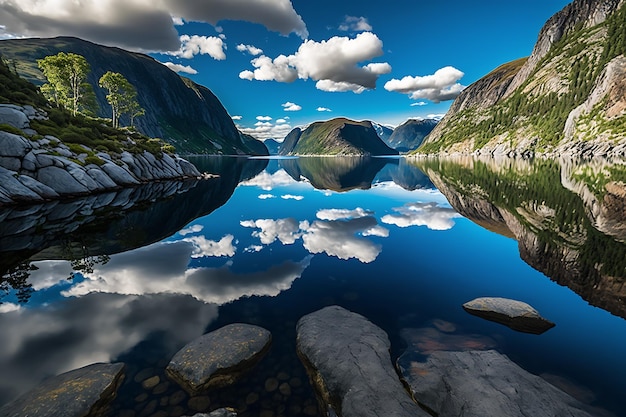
[336,137]
[185,114]
[566,98]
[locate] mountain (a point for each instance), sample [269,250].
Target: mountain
[410,134]
[568,97]
[254,146]
[185,114]
[335,137]
[384,132]
[272,146]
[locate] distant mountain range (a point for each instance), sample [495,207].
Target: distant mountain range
[410,135]
[183,113]
[336,137]
[272,146]
[567,98]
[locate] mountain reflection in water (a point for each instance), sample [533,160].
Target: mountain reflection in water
[270,240]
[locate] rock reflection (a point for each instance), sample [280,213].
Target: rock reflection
[568,217]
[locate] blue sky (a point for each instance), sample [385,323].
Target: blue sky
[278,64]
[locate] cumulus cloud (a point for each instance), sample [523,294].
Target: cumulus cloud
[252,50]
[340,238]
[204,247]
[287,231]
[66,335]
[431,215]
[266,196]
[334,63]
[162,268]
[201,45]
[196,228]
[140,24]
[264,129]
[321,109]
[339,214]
[289,106]
[268,182]
[187,69]
[264,118]
[8,307]
[292,197]
[355,24]
[441,86]
[419,103]
[237,117]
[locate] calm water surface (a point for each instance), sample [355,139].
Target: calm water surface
[133,276]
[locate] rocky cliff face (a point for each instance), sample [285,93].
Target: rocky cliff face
[186,114]
[36,168]
[336,137]
[566,98]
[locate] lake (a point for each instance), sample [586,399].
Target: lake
[133,276]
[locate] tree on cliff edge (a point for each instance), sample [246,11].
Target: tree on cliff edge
[122,97]
[67,86]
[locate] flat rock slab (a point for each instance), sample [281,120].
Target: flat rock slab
[218,358]
[78,393]
[515,314]
[484,383]
[348,361]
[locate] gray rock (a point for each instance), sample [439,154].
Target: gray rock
[13,145]
[218,358]
[188,168]
[41,189]
[222,412]
[515,314]
[82,177]
[347,358]
[29,163]
[60,180]
[14,189]
[11,163]
[78,393]
[119,174]
[14,116]
[484,383]
[101,178]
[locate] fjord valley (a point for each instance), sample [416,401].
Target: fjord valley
[268,208]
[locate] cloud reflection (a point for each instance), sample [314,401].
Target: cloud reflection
[96,328]
[162,268]
[268,182]
[431,215]
[285,230]
[204,247]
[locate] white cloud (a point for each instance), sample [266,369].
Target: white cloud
[141,24]
[265,129]
[180,68]
[264,124]
[323,109]
[419,103]
[429,214]
[196,228]
[201,45]
[237,117]
[289,106]
[334,63]
[8,307]
[355,24]
[205,248]
[287,231]
[281,121]
[252,50]
[292,197]
[266,196]
[264,118]
[340,214]
[268,182]
[253,248]
[340,239]
[441,86]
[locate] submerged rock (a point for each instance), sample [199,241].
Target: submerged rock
[218,358]
[78,393]
[484,383]
[515,314]
[348,361]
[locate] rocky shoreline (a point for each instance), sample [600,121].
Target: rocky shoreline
[42,169]
[441,372]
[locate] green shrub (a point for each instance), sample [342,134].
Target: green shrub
[93,159]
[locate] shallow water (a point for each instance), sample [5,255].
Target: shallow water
[133,277]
